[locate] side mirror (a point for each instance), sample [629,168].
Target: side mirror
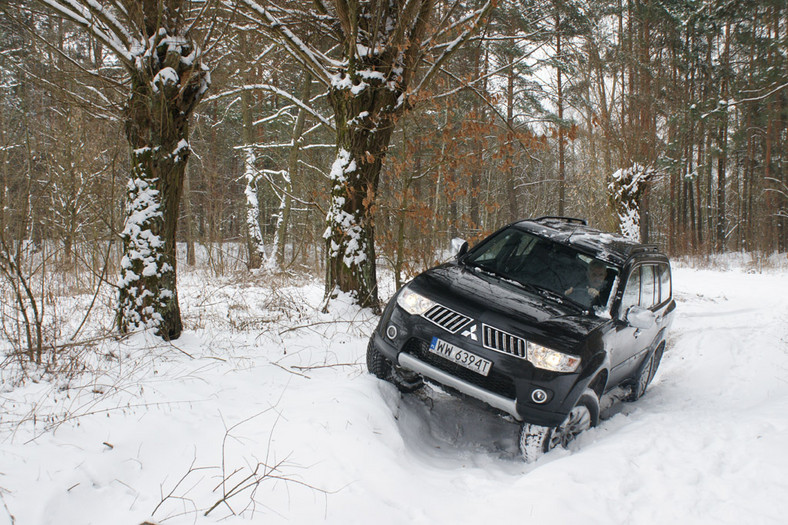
[459,247]
[640,317]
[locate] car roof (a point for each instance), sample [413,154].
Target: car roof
[609,247]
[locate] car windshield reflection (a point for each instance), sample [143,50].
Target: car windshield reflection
[552,269]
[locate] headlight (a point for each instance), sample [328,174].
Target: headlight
[547,359]
[414,303]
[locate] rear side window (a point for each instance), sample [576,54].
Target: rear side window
[665,286]
[648,285]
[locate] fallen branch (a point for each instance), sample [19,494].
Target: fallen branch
[170,494]
[289,370]
[13,519]
[315,367]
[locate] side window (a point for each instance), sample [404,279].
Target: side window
[631,295]
[664,283]
[648,286]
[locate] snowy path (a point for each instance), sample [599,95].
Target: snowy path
[707,444]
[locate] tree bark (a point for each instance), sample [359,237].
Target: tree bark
[165,88]
[363,133]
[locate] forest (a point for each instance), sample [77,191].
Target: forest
[343,138]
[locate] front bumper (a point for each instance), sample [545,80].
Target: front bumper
[494,400]
[509,387]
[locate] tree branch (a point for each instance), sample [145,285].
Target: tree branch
[284,94]
[454,46]
[314,61]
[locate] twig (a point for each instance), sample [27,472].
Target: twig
[13,519]
[181,350]
[95,295]
[289,370]
[170,494]
[315,367]
[70,417]
[86,342]
[316,323]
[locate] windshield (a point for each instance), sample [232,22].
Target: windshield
[546,266]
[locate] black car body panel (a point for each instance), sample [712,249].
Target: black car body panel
[488,310]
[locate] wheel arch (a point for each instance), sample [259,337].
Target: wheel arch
[599,382]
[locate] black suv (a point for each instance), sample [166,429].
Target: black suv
[538,320]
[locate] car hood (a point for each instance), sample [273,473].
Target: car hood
[505,305]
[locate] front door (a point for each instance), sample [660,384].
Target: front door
[630,343]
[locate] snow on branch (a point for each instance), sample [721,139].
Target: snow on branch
[731,103]
[312,59]
[264,146]
[99,23]
[449,28]
[284,94]
[109,19]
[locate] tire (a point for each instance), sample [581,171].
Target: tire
[536,440]
[379,366]
[646,373]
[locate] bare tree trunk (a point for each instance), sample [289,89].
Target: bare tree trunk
[255,245]
[191,258]
[723,149]
[560,103]
[282,223]
[511,193]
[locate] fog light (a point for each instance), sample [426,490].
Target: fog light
[391,331]
[539,396]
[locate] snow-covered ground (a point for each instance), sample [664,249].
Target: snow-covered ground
[263,412]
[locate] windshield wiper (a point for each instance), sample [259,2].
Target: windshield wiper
[489,271]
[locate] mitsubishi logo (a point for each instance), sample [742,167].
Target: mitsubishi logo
[470,332]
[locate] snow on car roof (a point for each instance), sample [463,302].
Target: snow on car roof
[609,247]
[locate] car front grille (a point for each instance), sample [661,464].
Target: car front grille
[447,318]
[494,382]
[501,341]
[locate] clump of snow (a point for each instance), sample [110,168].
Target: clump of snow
[143,253]
[341,167]
[165,77]
[340,82]
[182,149]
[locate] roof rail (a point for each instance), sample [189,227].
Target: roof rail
[644,248]
[565,219]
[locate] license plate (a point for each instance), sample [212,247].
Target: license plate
[460,356]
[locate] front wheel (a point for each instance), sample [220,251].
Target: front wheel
[379,366]
[536,440]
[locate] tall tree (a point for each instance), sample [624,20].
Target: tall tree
[166,78]
[379,46]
